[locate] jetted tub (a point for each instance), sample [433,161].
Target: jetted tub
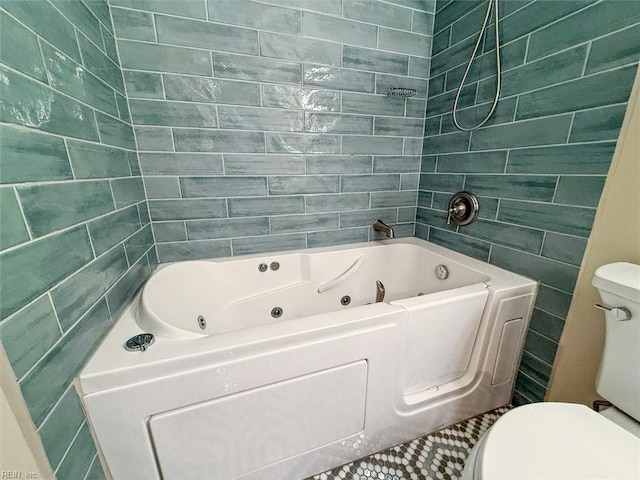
[282,365]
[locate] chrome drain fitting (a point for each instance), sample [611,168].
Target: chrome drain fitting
[139,343]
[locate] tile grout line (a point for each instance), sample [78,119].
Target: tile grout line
[95,458]
[64,456]
[530,377]
[55,313]
[526,50]
[24,219]
[55,405]
[257,53]
[563,318]
[44,63]
[73,173]
[586,59]
[573,118]
[542,244]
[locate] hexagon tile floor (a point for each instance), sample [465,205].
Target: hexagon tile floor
[437,456]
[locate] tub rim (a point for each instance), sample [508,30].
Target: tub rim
[111,366]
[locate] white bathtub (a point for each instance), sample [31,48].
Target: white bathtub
[230,391]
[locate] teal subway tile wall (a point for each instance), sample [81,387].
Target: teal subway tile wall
[539,165]
[133,132]
[265,125]
[75,236]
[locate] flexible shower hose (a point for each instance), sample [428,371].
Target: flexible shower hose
[490,3]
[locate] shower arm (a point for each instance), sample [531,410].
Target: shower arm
[466,72]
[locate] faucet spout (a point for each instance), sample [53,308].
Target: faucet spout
[380,291]
[380,226]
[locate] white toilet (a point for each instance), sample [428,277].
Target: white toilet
[569,441]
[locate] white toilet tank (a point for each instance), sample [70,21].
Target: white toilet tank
[619,376]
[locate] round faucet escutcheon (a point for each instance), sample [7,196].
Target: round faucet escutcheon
[463,209]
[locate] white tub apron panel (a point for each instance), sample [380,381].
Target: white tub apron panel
[236,434]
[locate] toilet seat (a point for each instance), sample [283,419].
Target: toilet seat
[556,441]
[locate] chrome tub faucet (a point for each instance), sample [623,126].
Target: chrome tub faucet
[380,226]
[380,291]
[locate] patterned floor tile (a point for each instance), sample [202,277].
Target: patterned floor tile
[437,456]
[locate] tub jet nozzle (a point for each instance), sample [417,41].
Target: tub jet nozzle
[380,291]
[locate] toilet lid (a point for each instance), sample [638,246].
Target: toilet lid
[558,441]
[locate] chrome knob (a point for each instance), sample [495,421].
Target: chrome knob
[442,272]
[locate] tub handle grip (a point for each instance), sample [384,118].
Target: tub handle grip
[343,276]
